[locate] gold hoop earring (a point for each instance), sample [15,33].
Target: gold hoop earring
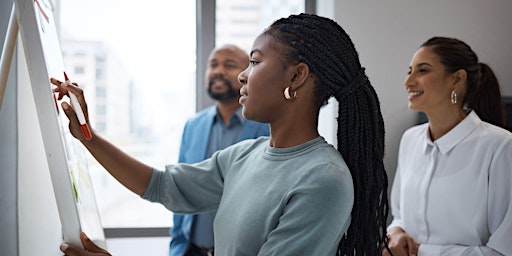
[453,97]
[287,93]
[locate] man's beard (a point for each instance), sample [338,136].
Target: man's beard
[227,95]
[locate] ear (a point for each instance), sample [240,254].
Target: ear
[300,74]
[459,78]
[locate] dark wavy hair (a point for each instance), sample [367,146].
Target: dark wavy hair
[331,56]
[482,87]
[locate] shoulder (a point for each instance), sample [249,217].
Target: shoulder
[414,135]
[245,146]
[323,164]
[492,138]
[201,121]
[417,130]
[494,131]
[207,113]
[489,133]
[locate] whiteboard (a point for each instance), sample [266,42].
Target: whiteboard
[65,155]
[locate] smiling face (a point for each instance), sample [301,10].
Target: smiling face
[428,84]
[263,82]
[224,65]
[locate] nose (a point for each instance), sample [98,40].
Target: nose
[409,80]
[218,70]
[242,77]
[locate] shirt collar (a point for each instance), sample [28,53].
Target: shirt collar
[238,115]
[455,135]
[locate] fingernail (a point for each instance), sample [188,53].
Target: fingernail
[63,247]
[65,106]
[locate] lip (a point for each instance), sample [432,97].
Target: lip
[242,99]
[243,95]
[414,94]
[217,85]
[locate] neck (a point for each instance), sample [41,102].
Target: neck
[441,123]
[291,138]
[293,130]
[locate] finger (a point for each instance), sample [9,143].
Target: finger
[413,250]
[71,250]
[395,250]
[73,121]
[61,88]
[61,95]
[55,81]
[79,93]
[399,250]
[386,249]
[90,246]
[60,92]
[70,112]
[67,87]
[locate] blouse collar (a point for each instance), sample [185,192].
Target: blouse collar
[455,135]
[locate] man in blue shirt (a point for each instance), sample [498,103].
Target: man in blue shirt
[212,129]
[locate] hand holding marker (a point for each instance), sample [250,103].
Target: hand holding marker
[79,113]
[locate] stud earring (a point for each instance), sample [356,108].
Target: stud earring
[287,93]
[454,97]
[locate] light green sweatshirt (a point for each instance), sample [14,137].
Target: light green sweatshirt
[269,201]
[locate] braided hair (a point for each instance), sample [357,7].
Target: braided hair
[331,56]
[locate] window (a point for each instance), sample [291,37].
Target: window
[101,92]
[100,73]
[138,61]
[79,70]
[240,22]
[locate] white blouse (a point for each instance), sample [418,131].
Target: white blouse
[454,195]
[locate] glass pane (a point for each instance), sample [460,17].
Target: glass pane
[136,63]
[240,22]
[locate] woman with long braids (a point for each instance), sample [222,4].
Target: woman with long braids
[291,193]
[452,193]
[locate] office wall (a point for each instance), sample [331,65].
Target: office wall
[387,33]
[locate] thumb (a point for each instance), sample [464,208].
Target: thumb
[74,125]
[90,246]
[71,250]
[413,248]
[70,112]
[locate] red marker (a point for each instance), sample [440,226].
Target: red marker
[79,113]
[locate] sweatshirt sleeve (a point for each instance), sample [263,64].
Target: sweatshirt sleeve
[185,188]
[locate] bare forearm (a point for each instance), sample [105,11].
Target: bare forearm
[130,172]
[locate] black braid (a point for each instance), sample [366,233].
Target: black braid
[331,56]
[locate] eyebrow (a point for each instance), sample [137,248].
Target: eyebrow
[423,64]
[255,51]
[231,61]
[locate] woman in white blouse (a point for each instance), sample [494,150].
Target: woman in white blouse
[452,193]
